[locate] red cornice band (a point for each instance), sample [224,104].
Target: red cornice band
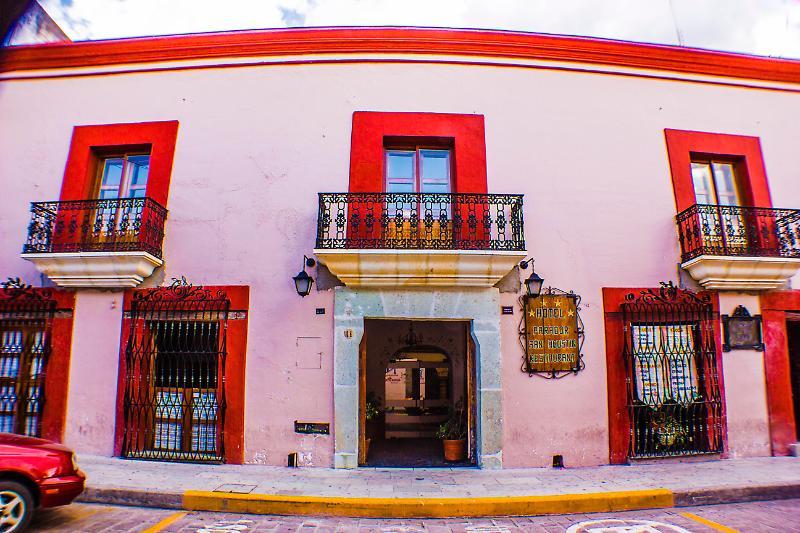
[481,43]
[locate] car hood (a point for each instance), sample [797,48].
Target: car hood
[21,440]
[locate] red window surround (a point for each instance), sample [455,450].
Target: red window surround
[619,427]
[780,409]
[752,176]
[236,339]
[81,168]
[372,129]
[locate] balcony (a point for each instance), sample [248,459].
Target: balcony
[96,243]
[420,239]
[739,248]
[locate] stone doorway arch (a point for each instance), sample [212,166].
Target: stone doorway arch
[477,306]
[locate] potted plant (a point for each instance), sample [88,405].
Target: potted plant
[372,414]
[453,434]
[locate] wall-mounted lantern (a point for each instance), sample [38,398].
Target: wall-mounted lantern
[302,281]
[533,285]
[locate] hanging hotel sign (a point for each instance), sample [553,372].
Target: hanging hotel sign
[553,333]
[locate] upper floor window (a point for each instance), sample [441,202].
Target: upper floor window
[418,169]
[123,176]
[715,182]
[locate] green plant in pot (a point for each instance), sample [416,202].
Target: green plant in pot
[373,414]
[453,433]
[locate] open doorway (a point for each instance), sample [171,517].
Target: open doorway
[418,379]
[793,333]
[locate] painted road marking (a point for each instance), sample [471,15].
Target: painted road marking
[709,523]
[226,526]
[168,521]
[613,525]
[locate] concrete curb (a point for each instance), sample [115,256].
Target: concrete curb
[426,507]
[132,497]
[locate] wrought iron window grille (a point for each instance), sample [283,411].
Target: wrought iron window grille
[730,230]
[174,403]
[415,221]
[524,302]
[674,402]
[114,225]
[26,317]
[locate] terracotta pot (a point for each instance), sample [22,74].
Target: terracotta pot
[455,450]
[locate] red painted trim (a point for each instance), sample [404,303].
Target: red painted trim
[619,426]
[483,43]
[418,60]
[235,362]
[618,421]
[371,128]
[54,415]
[681,145]
[81,168]
[780,407]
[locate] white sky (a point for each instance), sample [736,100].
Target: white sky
[763,27]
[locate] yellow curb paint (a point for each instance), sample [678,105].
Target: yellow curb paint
[428,507]
[168,521]
[713,525]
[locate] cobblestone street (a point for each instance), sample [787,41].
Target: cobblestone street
[777,516]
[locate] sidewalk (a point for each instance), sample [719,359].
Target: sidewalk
[388,492]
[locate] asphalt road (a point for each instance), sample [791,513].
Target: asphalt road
[770,516]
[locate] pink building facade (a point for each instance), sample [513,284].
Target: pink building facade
[179,183]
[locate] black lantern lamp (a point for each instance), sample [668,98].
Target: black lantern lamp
[302,281]
[533,285]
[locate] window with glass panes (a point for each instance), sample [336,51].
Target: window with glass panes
[425,170]
[715,183]
[123,176]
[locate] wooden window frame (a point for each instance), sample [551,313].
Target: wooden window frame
[124,186]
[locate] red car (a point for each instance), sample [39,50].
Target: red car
[34,473]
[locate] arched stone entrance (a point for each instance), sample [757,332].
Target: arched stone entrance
[477,306]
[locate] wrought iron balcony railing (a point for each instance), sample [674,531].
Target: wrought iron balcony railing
[418,221]
[117,225]
[728,230]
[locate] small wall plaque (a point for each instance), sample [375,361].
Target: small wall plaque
[320,310]
[312,428]
[507,309]
[740,331]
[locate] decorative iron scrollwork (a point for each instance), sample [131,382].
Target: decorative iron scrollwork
[16,289]
[667,293]
[179,290]
[109,225]
[731,230]
[443,221]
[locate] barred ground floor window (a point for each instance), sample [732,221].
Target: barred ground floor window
[174,374]
[673,398]
[35,337]
[24,347]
